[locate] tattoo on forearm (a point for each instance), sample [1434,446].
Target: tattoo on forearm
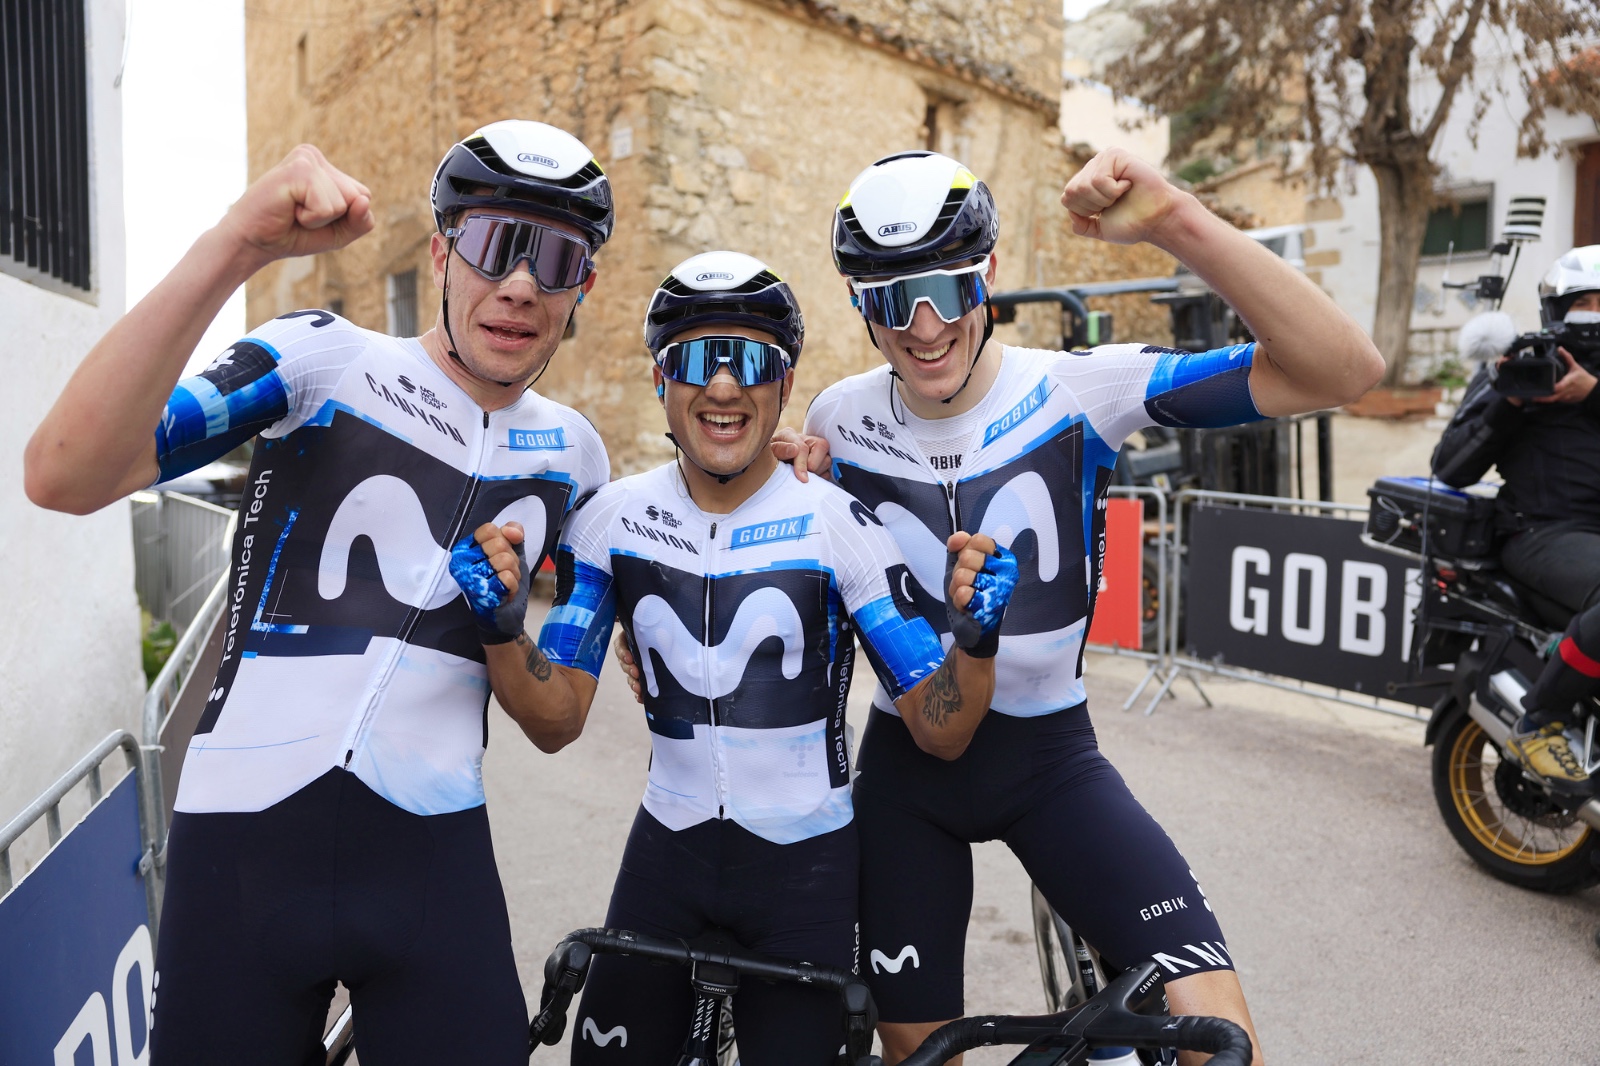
[944,696]
[536,663]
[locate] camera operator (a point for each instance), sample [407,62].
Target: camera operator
[1547,449]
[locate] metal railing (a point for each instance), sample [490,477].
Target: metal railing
[180,549]
[48,807]
[1158,656]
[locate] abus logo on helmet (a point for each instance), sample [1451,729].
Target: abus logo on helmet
[896,227]
[542,160]
[714,275]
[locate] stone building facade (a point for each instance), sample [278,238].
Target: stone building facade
[721,123]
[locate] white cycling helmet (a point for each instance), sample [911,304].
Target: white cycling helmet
[1574,274]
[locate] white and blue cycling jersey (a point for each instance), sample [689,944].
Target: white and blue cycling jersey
[741,624]
[1033,475]
[346,641]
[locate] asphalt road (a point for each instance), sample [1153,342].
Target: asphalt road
[1362,934]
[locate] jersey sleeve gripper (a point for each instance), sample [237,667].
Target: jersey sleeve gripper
[1205,390]
[210,414]
[578,626]
[903,650]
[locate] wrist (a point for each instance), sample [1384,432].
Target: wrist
[236,256]
[1185,226]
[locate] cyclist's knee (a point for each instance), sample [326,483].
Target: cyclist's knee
[1217,993]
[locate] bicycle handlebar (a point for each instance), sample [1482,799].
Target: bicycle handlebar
[568,966]
[1106,1020]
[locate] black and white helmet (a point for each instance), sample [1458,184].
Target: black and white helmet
[911,212]
[724,288]
[1574,274]
[526,165]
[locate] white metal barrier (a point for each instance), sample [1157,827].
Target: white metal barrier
[180,549]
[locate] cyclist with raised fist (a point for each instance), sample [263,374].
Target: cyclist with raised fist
[1019,444]
[741,589]
[330,822]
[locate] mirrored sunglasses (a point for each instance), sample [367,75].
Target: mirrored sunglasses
[951,294]
[493,246]
[751,362]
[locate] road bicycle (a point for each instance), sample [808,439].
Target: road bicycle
[1129,1011]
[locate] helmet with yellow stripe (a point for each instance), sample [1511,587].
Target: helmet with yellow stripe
[911,212]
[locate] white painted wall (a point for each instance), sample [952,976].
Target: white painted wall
[69,623]
[1493,161]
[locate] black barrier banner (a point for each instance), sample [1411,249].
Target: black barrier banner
[1300,596]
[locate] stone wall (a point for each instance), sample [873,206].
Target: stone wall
[722,123]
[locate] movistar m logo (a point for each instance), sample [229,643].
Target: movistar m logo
[881,962]
[767,532]
[765,613]
[386,511]
[592,1033]
[1018,414]
[1021,503]
[538,440]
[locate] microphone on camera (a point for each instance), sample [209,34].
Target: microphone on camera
[1485,338]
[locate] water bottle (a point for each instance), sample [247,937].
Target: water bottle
[1114,1056]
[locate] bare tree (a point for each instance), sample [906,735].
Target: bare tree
[1372,81]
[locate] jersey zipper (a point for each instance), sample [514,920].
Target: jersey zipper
[415,617]
[717,781]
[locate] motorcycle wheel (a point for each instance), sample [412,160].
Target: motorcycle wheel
[1505,824]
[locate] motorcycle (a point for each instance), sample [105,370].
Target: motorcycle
[1491,635]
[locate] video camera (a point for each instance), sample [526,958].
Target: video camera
[1534,366]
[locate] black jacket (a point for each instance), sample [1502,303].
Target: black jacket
[1548,454]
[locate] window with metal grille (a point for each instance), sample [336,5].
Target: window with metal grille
[403,304]
[45,234]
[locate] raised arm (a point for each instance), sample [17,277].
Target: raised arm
[549,702]
[98,443]
[1310,354]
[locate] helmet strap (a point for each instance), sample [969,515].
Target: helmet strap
[444,303]
[722,479]
[988,330]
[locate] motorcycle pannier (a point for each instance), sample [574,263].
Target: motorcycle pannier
[1459,524]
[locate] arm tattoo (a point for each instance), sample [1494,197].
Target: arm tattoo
[943,698]
[536,663]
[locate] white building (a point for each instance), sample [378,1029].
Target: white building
[1481,179]
[69,623]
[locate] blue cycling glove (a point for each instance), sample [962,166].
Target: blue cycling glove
[977,629]
[500,617]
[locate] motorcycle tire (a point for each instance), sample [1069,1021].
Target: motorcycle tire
[1503,822]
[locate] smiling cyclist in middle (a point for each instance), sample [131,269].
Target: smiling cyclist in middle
[739,588]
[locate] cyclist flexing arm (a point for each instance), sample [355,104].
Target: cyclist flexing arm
[96,445]
[1309,354]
